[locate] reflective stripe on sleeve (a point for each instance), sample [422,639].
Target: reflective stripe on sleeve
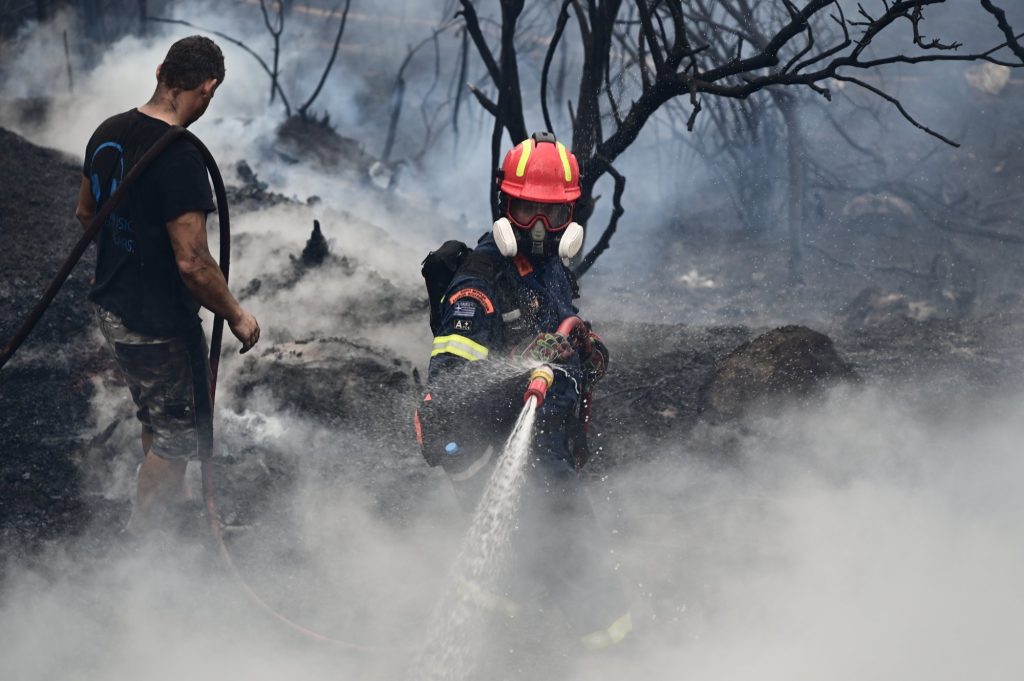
[460,346]
[610,636]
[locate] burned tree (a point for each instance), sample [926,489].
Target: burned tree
[398,93]
[275,27]
[669,49]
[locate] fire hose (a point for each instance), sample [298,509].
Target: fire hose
[541,378]
[216,337]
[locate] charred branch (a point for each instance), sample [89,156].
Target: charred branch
[473,27]
[274,84]
[1012,40]
[727,50]
[563,19]
[613,222]
[899,107]
[460,80]
[483,99]
[330,62]
[275,29]
[398,94]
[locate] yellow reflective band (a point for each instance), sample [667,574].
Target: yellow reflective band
[460,346]
[565,161]
[527,149]
[610,636]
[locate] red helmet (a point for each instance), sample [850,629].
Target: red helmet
[541,169]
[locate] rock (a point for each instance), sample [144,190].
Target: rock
[877,204]
[954,283]
[315,141]
[988,78]
[791,361]
[334,380]
[874,307]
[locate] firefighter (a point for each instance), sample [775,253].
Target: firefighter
[502,304]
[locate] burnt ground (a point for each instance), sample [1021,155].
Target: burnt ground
[55,446]
[45,391]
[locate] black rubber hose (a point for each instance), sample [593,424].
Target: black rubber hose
[216,338]
[90,235]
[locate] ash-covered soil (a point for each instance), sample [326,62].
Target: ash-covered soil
[45,389]
[61,448]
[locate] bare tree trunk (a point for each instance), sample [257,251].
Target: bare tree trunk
[560,81]
[67,59]
[330,62]
[275,29]
[795,196]
[143,16]
[586,132]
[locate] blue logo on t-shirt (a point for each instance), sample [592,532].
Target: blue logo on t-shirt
[116,176]
[120,228]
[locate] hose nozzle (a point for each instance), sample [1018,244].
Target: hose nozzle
[541,379]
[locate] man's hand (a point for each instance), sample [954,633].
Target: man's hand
[550,348]
[246,329]
[203,278]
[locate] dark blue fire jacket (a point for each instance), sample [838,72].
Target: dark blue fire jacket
[490,311]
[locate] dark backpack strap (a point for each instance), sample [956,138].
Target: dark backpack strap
[439,267]
[574,284]
[495,271]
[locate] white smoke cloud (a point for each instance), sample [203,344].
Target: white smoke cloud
[859,538]
[862,537]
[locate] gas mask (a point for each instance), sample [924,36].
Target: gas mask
[537,241]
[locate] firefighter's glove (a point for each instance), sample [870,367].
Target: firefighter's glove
[549,348]
[432,425]
[595,362]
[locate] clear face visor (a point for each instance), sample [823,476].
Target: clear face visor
[524,214]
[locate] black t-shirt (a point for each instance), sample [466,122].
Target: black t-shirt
[136,274]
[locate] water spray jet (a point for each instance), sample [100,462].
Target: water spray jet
[476,575]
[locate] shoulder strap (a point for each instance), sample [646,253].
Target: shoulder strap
[439,267]
[495,271]
[574,283]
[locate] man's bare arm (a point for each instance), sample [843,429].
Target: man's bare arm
[86,209]
[203,278]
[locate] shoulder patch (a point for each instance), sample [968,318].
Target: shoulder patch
[475,294]
[463,324]
[464,308]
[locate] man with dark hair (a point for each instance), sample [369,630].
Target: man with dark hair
[154,270]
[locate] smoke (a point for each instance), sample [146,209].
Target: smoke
[862,537]
[866,536]
[110,77]
[858,539]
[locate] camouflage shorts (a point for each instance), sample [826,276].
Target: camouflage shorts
[169,381]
